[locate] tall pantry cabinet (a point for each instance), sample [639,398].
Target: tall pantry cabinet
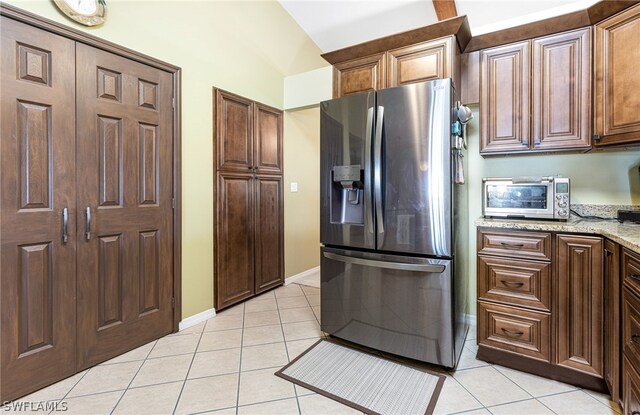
[87,193]
[249,222]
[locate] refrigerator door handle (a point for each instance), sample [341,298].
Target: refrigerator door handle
[432,268]
[378,170]
[367,171]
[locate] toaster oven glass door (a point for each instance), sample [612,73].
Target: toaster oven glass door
[517,196]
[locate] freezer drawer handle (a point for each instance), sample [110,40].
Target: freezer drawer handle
[384,264]
[367,169]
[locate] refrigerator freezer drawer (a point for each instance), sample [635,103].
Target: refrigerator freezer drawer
[400,305]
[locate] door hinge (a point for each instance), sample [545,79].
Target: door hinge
[596,137]
[173,203]
[173,302]
[607,252]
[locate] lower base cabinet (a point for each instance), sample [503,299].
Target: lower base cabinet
[540,304]
[631,388]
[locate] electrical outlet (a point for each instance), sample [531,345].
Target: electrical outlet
[294,187]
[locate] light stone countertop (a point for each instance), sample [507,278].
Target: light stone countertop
[626,234]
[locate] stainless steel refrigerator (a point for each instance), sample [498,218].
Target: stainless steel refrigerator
[393,223]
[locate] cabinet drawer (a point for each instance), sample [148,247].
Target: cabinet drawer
[514,329]
[631,326]
[531,245]
[631,388]
[519,282]
[631,270]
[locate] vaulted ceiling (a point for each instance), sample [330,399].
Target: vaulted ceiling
[335,24]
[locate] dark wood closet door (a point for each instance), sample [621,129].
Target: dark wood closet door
[234,239]
[268,139]
[37,178]
[234,131]
[269,231]
[124,156]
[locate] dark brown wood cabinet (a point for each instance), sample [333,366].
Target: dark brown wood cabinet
[612,320]
[541,304]
[630,336]
[561,94]
[249,220]
[579,303]
[535,95]
[435,59]
[616,81]
[88,243]
[504,98]
[359,75]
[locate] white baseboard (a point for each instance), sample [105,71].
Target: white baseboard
[301,275]
[196,319]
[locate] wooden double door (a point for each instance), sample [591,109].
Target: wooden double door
[86,206]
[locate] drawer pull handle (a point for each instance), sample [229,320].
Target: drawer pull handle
[636,339]
[635,276]
[512,245]
[635,413]
[511,332]
[512,283]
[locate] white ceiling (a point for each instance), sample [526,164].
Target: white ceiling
[336,24]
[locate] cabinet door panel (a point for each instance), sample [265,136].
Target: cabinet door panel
[125,179]
[37,170]
[579,300]
[268,139]
[616,116]
[561,91]
[421,62]
[520,283]
[234,131]
[612,318]
[504,98]
[514,329]
[234,242]
[269,238]
[359,75]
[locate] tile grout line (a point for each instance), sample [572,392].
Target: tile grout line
[310,306]
[134,376]
[601,403]
[284,339]
[186,376]
[70,389]
[244,310]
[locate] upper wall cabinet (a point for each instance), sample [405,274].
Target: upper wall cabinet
[617,84]
[430,52]
[424,61]
[504,97]
[359,75]
[535,95]
[248,135]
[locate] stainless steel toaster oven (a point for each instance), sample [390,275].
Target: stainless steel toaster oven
[526,197]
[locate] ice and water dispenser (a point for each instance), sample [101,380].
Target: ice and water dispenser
[347,194]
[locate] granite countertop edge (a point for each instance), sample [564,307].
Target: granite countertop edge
[626,234]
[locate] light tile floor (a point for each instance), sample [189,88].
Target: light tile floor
[226,365]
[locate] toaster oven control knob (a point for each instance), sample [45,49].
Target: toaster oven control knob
[562,212]
[562,204]
[558,197]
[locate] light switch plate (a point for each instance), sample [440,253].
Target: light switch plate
[294,187]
